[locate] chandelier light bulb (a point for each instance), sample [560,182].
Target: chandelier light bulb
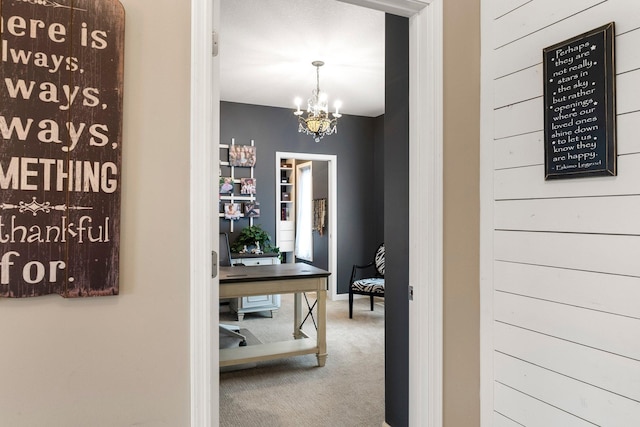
[337,105]
[297,102]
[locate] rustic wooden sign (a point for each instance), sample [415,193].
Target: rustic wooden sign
[580,106]
[61,80]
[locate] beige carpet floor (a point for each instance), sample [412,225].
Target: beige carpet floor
[348,391]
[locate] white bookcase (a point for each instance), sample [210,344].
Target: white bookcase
[286,233]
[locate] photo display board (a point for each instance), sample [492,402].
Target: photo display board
[580,106]
[61,89]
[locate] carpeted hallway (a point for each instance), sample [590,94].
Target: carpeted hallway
[348,391]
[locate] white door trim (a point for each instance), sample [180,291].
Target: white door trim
[205,116]
[332,219]
[425,260]
[425,229]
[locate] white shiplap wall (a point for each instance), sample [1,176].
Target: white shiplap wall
[561,276]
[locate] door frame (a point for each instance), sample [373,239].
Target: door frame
[332,214]
[426,188]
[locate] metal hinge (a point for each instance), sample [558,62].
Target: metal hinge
[410,293]
[214,42]
[214,264]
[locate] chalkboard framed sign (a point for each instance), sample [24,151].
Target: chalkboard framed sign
[580,106]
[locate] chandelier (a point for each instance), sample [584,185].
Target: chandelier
[317,122]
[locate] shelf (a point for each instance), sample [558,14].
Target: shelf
[286,205]
[268,351]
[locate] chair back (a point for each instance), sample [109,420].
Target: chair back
[224,254]
[379,260]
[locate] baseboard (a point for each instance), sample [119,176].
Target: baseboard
[341,297]
[344,297]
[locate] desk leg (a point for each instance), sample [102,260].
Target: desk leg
[322,328]
[297,316]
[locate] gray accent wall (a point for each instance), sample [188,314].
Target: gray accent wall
[275,129]
[321,191]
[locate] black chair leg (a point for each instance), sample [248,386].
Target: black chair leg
[350,305]
[371,296]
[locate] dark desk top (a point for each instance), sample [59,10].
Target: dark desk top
[256,273]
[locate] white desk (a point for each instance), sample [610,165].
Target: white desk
[237,282]
[254,303]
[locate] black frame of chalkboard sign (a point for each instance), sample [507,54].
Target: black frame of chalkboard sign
[609,168]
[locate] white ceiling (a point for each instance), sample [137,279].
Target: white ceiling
[267,46]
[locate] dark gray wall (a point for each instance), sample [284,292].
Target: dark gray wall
[321,191]
[275,129]
[396,225]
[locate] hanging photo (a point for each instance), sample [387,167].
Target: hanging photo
[232,211]
[226,185]
[242,156]
[247,186]
[252,209]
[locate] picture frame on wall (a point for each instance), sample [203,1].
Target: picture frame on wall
[226,185]
[232,211]
[242,156]
[247,186]
[252,209]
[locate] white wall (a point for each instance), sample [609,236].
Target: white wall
[122,361]
[561,259]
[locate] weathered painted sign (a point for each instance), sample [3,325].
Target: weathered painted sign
[61,81]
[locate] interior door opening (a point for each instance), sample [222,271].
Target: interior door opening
[329,240]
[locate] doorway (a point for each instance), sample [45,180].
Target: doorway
[332,215]
[426,146]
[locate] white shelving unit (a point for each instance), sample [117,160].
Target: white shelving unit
[287,208]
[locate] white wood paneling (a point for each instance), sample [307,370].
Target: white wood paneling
[502,421]
[528,51]
[524,410]
[604,215]
[628,92]
[627,52]
[525,114]
[609,293]
[628,141]
[590,403]
[525,84]
[525,20]
[528,149]
[520,150]
[503,7]
[520,118]
[529,183]
[607,371]
[585,327]
[564,270]
[590,252]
